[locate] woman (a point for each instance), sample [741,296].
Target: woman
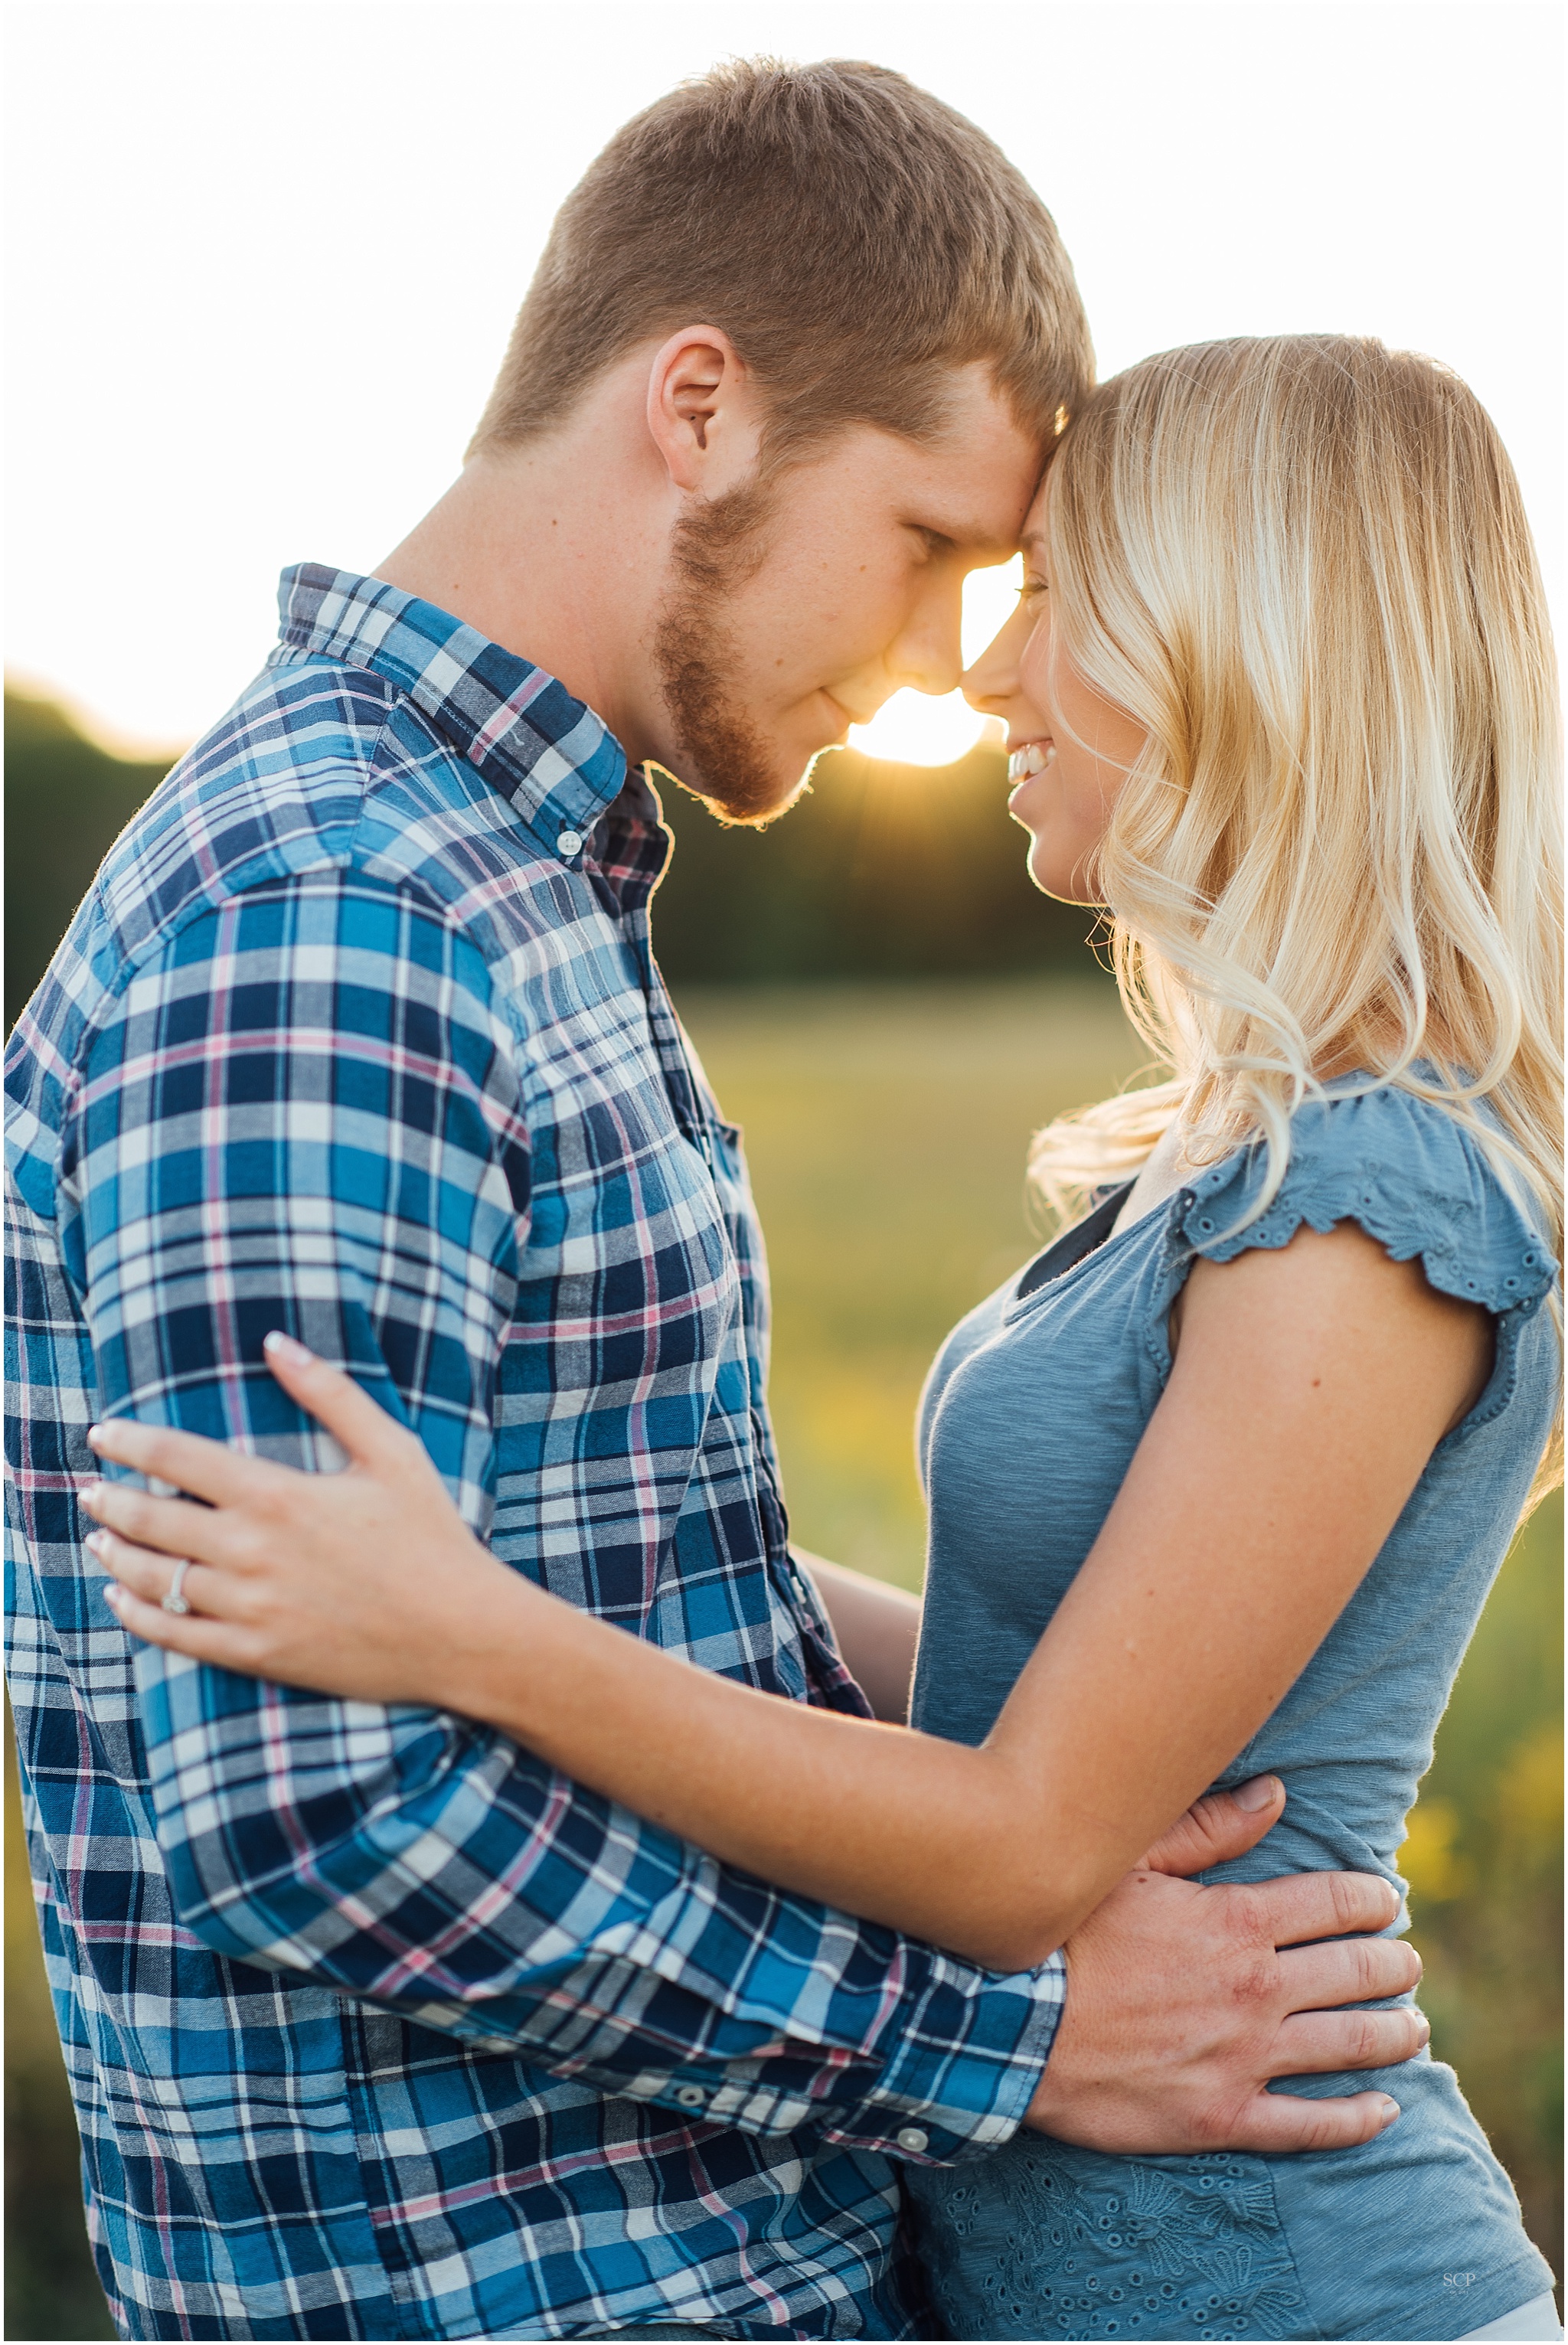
[1217,1485]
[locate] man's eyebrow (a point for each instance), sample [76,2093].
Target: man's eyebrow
[990,550]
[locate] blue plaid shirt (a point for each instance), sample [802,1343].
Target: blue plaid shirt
[377,2028]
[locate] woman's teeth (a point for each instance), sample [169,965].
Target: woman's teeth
[1033,758]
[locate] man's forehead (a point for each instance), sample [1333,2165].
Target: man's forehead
[980,503]
[972,481]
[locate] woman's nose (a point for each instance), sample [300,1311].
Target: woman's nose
[992,681]
[980,688]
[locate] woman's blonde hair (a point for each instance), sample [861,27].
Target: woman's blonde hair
[1302,563]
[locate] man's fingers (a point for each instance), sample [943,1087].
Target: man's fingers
[1316,2043]
[1216,1829]
[366,1430]
[1348,1970]
[1280,2122]
[1305,1905]
[208,1469]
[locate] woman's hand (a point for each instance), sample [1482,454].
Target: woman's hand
[366,1583]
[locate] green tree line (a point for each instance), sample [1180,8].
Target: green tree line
[880,871]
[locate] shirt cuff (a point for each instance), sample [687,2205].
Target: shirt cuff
[963,2066]
[950,2074]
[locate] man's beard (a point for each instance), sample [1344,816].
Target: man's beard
[727,761]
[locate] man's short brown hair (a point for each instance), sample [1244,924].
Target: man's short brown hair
[851,234]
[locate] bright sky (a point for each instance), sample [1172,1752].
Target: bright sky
[265,253]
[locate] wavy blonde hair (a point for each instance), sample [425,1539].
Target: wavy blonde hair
[1302,563]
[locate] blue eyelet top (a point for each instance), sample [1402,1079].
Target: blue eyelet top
[1029,1421]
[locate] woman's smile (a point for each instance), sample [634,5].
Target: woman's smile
[1027,758]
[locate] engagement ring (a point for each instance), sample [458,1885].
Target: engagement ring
[176,1601]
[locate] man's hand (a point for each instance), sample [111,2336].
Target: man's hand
[1181,2005]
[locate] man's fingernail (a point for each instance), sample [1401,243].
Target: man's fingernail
[1426,2029]
[1390,2111]
[1261,1792]
[279,1346]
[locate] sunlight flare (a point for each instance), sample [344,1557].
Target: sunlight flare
[921,729]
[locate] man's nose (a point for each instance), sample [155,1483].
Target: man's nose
[929,654]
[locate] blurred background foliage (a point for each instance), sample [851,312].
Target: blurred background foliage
[880,871]
[890,1010]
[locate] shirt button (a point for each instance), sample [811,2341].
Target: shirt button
[570,842]
[914,2138]
[692,2096]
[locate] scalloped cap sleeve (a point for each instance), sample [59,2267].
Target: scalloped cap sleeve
[1407,1173]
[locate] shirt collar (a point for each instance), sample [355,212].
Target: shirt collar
[557,762]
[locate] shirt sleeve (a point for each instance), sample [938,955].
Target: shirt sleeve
[306,1115]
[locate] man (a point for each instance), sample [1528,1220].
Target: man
[377,2028]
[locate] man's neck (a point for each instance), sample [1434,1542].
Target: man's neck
[539,550]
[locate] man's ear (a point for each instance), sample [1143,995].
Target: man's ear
[701,410]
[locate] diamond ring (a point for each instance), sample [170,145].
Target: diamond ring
[177,1601]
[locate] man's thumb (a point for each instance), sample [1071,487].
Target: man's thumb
[1223,1826]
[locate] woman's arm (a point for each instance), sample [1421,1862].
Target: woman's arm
[876,1628]
[1310,1386]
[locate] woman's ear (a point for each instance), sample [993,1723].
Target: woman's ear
[701,410]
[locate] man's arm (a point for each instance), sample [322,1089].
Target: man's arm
[305,1118]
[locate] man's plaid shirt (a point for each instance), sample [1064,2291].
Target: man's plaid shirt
[376,2026]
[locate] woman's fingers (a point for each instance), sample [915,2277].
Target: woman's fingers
[208,1469]
[172,1525]
[212,1470]
[150,1574]
[221,1642]
[366,1430]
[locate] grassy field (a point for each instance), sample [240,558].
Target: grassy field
[887,1127]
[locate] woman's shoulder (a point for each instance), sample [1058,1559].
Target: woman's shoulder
[1408,1170]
